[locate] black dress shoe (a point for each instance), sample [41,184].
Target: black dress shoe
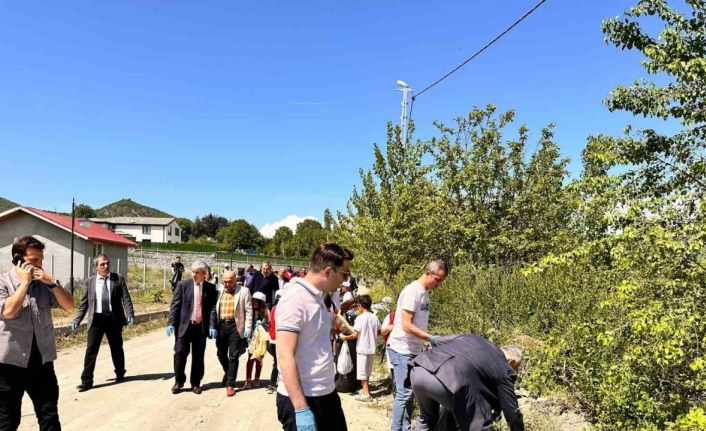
[83,387]
[176,388]
[119,379]
[197,390]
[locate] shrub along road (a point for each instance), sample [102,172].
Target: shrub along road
[144,400]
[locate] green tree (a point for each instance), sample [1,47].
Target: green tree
[307,237]
[209,225]
[637,356]
[186,226]
[85,211]
[281,242]
[239,235]
[467,194]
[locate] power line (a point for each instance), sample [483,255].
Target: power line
[477,53]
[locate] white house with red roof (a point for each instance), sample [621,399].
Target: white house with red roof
[54,230]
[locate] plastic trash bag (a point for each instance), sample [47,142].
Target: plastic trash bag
[258,343]
[345,363]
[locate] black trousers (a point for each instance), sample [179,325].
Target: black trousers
[103,325]
[194,339]
[327,412]
[39,381]
[230,346]
[272,348]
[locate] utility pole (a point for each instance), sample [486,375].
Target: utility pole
[73,220]
[404,120]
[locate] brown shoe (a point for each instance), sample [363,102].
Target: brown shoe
[176,388]
[230,391]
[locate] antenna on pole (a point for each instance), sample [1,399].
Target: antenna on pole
[404,120]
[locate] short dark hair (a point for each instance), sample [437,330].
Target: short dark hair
[21,245]
[365,301]
[329,254]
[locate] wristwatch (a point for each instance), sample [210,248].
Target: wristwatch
[55,283]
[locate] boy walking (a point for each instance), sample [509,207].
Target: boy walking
[365,329]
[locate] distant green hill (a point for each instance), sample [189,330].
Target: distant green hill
[6,205]
[129,208]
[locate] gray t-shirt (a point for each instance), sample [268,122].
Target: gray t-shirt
[415,298]
[33,320]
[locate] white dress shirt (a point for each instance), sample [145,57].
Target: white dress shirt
[99,292]
[197,291]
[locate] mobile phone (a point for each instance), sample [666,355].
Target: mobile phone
[17,259]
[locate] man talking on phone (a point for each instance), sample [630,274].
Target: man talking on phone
[27,344]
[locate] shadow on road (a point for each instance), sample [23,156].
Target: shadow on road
[135,378]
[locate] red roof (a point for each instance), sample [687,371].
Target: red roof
[94,232]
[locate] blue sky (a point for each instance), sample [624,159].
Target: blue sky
[260,110]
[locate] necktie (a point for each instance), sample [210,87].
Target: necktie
[197,304]
[105,303]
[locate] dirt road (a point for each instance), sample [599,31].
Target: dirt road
[144,401]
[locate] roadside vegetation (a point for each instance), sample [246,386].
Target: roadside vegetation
[601,277]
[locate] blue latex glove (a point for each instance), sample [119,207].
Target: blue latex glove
[130,321]
[169,331]
[305,419]
[212,333]
[433,339]
[73,327]
[246,334]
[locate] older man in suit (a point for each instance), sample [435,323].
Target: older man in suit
[107,301]
[470,377]
[189,317]
[232,318]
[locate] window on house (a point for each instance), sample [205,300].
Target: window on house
[147,229]
[176,231]
[169,230]
[97,249]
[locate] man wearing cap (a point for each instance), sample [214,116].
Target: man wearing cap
[189,319]
[232,318]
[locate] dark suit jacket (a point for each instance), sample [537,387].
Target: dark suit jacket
[183,304]
[120,300]
[482,382]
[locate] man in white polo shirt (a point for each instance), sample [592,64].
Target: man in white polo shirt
[408,335]
[306,395]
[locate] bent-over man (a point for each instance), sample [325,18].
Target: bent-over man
[470,377]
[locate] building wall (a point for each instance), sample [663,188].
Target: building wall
[116,253]
[173,238]
[157,233]
[57,252]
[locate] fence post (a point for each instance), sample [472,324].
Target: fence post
[144,273]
